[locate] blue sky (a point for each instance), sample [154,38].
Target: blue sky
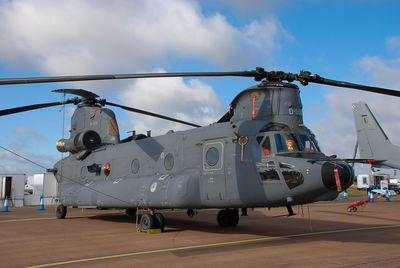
[356,41]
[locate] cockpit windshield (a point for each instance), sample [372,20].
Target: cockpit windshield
[280,138]
[285,143]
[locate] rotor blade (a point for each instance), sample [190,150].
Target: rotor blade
[53,79]
[305,77]
[379,90]
[151,114]
[32,107]
[80,92]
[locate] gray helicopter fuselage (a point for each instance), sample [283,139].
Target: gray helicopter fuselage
[175,171]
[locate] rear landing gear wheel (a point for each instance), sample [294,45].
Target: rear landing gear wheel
[61,212]
[148,221]
[161,221]
[228,217]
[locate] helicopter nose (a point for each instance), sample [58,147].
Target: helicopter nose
[345,172]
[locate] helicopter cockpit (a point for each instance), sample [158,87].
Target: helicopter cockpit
[272,147]
[286,140]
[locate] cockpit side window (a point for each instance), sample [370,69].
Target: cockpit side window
[308,144]
[262,147]
[285,143]
[315,142]
[266,147]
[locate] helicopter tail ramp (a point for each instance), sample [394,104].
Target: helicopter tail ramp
[373,143]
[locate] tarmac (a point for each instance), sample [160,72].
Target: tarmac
[322,234]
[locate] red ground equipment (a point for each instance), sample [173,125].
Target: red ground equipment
[353,206]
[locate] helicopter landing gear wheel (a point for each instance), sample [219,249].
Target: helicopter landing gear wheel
[228,217]
[130,211]
[160,220]
[191,213]
[61,212]
[147,222]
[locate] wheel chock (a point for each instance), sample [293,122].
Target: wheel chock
[154,231]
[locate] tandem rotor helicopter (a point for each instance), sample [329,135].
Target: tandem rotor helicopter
[259,154]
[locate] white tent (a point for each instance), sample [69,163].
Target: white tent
[12,186]
[43,184]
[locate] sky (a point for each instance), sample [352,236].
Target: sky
[356,41]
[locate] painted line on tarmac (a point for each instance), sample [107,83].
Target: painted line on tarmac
[235,242]
[40,219]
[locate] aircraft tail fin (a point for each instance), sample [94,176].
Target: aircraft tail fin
[373,143]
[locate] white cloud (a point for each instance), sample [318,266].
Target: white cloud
[265,36]
[29,132]
[387,72]
[11,163]
[59,37]
[393,43]
[20,145]
[193,102]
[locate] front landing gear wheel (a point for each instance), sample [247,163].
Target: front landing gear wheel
[148,221]
[61,212]
[228,217]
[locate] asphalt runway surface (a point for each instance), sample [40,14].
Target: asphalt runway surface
[322,234]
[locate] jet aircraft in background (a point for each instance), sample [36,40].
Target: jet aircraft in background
[373,143]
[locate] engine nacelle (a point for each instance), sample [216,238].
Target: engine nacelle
[87,140]
[91,126]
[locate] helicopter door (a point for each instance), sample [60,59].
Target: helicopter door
[213,178]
